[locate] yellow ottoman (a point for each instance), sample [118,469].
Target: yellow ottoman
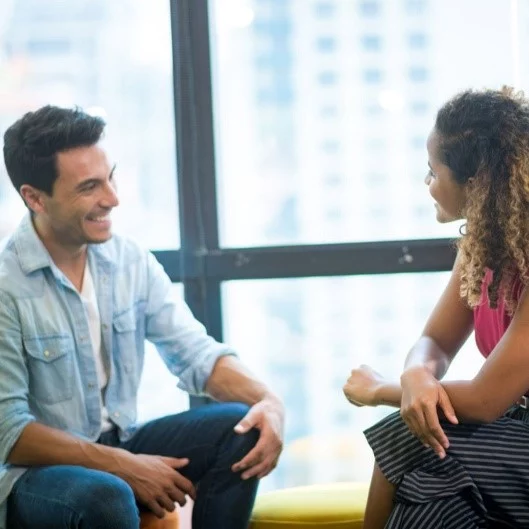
[329,506]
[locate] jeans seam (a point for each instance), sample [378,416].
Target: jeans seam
[49,500]
[222,441]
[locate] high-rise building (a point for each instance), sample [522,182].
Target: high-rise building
[334,100]
[113,59]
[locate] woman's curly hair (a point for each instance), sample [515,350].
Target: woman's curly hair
[484,140]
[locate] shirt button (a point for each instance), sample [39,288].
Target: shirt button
[104,326]
[91,385]
[116,414]
[46,353]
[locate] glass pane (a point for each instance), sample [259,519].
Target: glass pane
[323,109]
[158,394]
[303,337]
[112,59]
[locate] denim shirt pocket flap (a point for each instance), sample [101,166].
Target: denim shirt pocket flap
[125,322]
[124,344]
[50,367]
[48,348]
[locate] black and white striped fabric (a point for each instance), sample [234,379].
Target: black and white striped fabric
[483,482]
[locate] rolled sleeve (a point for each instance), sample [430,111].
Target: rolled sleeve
[14,409]
[182,341]
[11,429]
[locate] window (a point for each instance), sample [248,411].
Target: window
[350,83]
[278,94]
[277,27]
[329,111]
[65,60]
[373,109]
[418,142]
[326,44]
[417,40]
[371,42]
[333,180]
[327,78]
[372,76]
[419,107]
[376,143]
[378,322]
[418,74]
[324,9]
[369,8]
[330,146]
[48,47]
[274,62]
[415,7]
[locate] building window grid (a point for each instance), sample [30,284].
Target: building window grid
[206,303]
[369,8]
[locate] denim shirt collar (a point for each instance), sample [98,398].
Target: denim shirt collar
[32,253]
[34,256]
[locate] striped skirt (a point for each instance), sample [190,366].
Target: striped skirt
[483,482]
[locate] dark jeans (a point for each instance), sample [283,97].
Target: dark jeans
[70,497]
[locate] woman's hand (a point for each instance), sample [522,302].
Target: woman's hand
[362,386]
[422,396]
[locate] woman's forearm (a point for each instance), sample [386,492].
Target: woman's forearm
[471,404]
[389,394]
[463,396]
[428,355]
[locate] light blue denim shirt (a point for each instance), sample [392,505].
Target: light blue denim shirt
[47,367]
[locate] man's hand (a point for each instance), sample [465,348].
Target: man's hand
[361,387]
[155,480]
[422,396]
[268,417]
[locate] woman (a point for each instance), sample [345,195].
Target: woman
[457,454]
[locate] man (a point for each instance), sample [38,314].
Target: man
[76,305]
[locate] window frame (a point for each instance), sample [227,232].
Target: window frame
[200,263]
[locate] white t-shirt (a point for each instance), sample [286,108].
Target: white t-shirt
[88,295]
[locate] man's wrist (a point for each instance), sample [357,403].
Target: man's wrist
[274,400]
[104,458]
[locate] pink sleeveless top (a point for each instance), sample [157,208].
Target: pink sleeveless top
[490,324]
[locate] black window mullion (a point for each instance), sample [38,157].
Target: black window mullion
[200,264]
[195,158]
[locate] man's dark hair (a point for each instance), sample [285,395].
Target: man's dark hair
[32,143]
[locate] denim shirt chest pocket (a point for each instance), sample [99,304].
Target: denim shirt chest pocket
[50,366]
[126,351]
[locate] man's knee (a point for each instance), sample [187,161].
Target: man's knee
[239,444]
[106,501]
[233,412]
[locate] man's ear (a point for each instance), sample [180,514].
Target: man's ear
[33,198]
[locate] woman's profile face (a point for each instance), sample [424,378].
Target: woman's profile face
[449,195]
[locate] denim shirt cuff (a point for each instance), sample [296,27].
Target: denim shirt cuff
[195,378]
[10,432]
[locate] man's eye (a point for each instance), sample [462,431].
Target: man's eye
[430,173]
